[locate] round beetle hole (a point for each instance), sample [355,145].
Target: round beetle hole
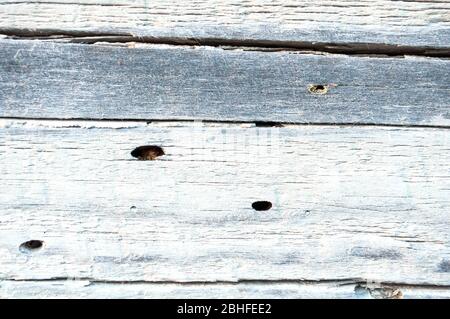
[262,205]
[318,89]
[31,245]
[147,152]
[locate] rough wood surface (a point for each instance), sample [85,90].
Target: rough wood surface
[349,203]
[59,80]
[89,289]
[418,23]
[357,211]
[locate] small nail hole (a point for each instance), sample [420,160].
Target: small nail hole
[31,245]
[318,88]
[147,152]
[262,205]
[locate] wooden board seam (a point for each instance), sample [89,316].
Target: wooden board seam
[348,48]
[78,122]
[338,282]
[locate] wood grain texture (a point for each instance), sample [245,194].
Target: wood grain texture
[89,289]
[41,79]
[419,23]
[349,204]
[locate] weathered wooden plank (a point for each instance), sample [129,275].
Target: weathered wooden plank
[418,23]
[348,202]
[88,289]
[54,80]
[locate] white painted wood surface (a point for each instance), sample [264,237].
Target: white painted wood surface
[88,289]
[357,211]
[59,80]
[418,23]
[349,203]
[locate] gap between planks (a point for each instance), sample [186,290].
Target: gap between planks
[349,48]
[78,288]
[6,121]
[337,282]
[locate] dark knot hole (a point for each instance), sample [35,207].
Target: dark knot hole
[262,205]
[147,152]
[32,244]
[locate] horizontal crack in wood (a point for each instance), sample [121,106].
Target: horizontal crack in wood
[358,48]
[338,282]
[260,124]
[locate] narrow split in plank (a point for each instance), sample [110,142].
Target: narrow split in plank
[418,23]
[59,80]
[347,202]
[88,289]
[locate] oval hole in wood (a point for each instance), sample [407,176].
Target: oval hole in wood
[318,88]
[31,245]
[262,205]
[147,152]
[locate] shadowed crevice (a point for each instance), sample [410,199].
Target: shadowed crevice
[357,48]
